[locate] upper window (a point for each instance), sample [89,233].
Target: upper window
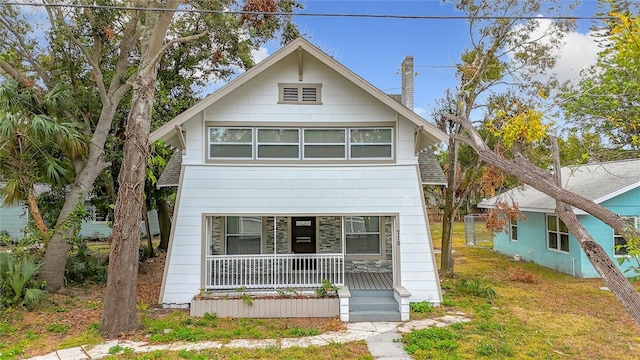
[362,235]
[513,227]
[370,143]
[300,143]
[226,142]
[278,144]
[325,144]
[557,234]
[299,94]
[243,235]
[619,243]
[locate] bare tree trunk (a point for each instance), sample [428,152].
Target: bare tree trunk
[448,217]
[164,222]
[34,210]
[119,313]
[606,268]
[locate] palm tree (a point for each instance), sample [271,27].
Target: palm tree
[36,144]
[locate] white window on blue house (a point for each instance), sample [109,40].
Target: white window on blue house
[362,235]
[243,235]
[619,243]
[230,143]
[513,229]
[557,234]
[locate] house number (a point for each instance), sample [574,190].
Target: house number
[398,237]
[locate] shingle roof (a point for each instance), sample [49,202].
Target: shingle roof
[597,182]
[171,174]
[430,170]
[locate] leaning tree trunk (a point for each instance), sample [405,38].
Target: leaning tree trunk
[34,211]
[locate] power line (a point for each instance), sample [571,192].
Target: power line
[372,16]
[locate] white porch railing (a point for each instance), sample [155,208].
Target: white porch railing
[273,271]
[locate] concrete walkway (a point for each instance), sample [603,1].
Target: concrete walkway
[382,340]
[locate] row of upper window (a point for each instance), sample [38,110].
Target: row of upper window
[300,143]
[558,234]
[244,235]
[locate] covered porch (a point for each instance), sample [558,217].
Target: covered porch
[267,253]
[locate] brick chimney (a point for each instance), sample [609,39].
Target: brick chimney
[406,98]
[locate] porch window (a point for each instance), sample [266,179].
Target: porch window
[513,229]
[276,143]
[619,243]
[243,235]
[230,143]
[362,235]
[557,234]
[370,143]
[324,144]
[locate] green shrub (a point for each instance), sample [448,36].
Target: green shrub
[327,289]
[475,287]
[85,266]
[18,285]
[421,307]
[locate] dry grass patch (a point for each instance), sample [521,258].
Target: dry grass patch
[538,313]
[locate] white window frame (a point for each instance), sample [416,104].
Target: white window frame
[619,240]
[240,234]
[558,233]
[513,229]
[347,233]
[390,143]
[345,144]
[209,142]
[258,143]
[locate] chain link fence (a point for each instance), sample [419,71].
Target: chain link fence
[475,230]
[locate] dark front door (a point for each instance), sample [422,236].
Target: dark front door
[303,241]
[303,235]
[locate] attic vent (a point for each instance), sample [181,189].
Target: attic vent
[299,94]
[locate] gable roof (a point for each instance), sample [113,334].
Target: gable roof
[170,131]
[430,170]
[597,182]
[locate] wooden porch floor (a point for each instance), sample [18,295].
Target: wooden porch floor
[368,281]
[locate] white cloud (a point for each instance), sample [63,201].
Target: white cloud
[259,54]
[578,51]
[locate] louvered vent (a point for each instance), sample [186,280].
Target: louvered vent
[309,94]
[290,94]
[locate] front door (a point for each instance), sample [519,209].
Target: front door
[303,241]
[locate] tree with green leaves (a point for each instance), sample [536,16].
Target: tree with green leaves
[36,144]
[524,129]
[96,51]
[607,99]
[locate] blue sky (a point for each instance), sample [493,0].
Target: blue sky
[374,48]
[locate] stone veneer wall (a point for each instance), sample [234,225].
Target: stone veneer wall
[329,229]
[377,265]
[215,243]
[282,234]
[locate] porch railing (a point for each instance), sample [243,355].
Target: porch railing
[273,271]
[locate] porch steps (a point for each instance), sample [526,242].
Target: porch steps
[373,305]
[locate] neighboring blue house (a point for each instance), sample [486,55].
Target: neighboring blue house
[542,237]
[13,219]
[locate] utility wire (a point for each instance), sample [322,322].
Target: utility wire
[373,16]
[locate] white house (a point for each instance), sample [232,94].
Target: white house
[298,171]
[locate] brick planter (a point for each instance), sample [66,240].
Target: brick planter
[267,308]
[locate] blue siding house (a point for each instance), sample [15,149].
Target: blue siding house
[542,238]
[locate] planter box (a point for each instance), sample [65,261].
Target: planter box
[267,308]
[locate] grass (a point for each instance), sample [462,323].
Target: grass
[536,313]
[518,311]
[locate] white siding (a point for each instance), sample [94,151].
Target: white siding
[391,189]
